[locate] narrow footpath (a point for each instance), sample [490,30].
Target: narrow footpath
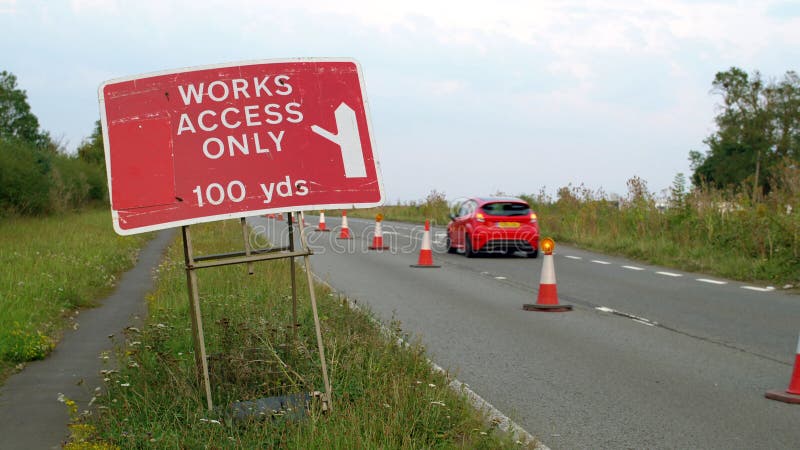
[31,416]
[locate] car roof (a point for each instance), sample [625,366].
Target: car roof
[484,200]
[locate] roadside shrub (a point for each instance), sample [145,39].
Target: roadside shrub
[20,345]
[24,184]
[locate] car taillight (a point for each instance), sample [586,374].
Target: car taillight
[480,218]
[533,217]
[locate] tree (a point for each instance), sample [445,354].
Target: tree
[756,127]
[91,149]
[16,119]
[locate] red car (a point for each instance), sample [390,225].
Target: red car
[495,224]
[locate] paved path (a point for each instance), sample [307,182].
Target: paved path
[30,415]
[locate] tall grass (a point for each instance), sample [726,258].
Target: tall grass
[722,232]
[707,230]
[385,396]
[50,267]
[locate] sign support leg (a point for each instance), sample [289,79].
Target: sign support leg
[197,319]
[320,346]
[246,236]
[294,281]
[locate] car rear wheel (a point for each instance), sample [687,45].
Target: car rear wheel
[450,248]
[468,252]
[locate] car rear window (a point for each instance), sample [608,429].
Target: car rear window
[506,209]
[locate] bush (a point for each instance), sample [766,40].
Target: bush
[24,183]
[21,345]
[35,181]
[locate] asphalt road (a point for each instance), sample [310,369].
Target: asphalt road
[650,357]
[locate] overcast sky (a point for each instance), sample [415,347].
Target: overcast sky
[469,98]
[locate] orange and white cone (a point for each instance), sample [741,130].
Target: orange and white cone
[425,254]
[345,233]
[321,226]
[547,299]
[792,394]
[377,238]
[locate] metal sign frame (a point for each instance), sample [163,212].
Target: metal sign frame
[249,256]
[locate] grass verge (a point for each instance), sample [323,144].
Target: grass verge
[384,395]
[51,266]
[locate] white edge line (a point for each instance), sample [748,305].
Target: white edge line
[670,274]
[632,267]
[706,280]
[493,415]
[572,257]
[758,289]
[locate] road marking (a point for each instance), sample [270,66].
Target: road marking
[600,262]
[759,289]
[706,280]
[500,278]
[670,274]
[632,267]
[641,320]
[573,257]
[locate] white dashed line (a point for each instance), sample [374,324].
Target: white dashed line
[644,322]
[600,262]
[604,309]
[759,289]
[500,278]
[669,274]
[573,257]
[706,280]
[632,267]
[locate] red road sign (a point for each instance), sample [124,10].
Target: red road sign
[209,143]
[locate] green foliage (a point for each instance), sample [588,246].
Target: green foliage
[36,177]
[385,395]
[710,230]
[22,345]
[91,150]
[51,266]
[24,180]
[758,127]
[34,181]
[434,208]
[16,119]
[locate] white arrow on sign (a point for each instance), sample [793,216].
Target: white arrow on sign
[348,140]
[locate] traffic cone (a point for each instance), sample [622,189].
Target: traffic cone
[377,239]
[547,299]
[321,226]
[345,233]
[792,394]
[425,254]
